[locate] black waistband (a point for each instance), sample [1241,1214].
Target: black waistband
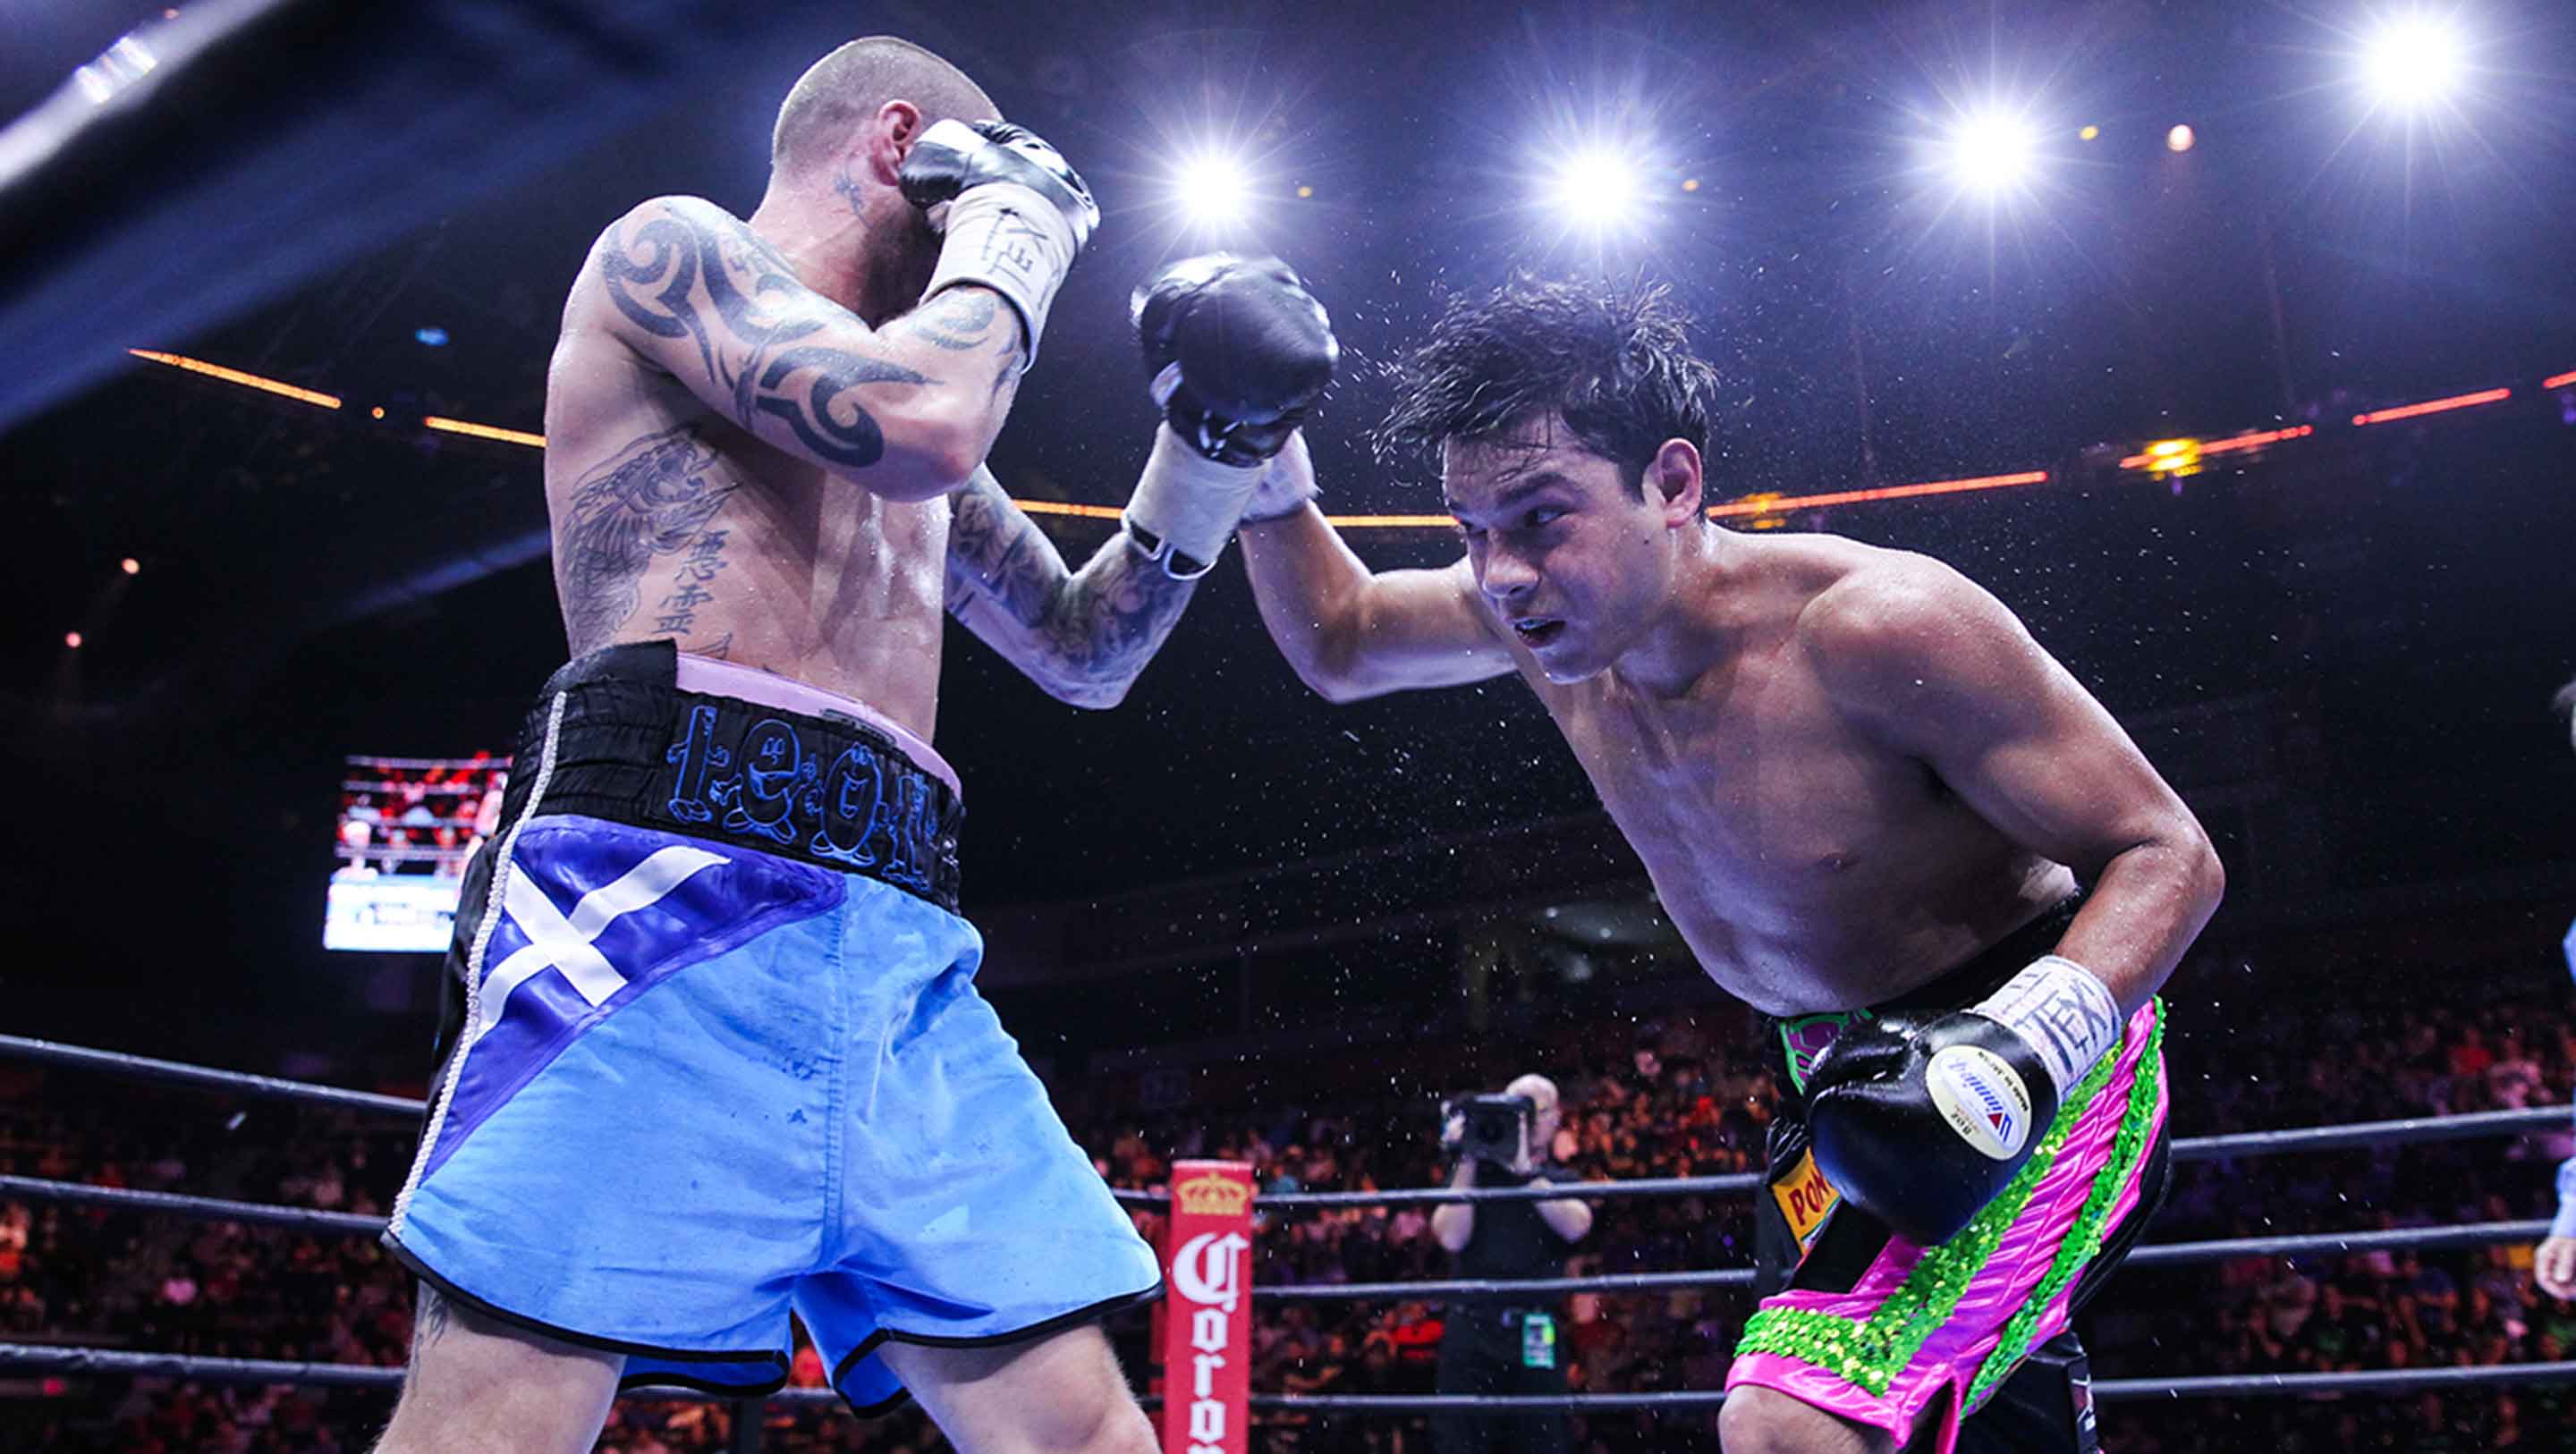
[1979,976]
[1986,971]
[631,747]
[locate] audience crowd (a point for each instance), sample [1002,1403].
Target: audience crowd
[418,815]
[1675,1099]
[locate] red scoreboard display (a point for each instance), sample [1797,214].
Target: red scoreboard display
[407,826]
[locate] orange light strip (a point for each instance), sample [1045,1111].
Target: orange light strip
[1059,507]
[236,376]
[1395,522]
[485,431]
[2433,406]
[1768,506]
[2559,382]
[1888,492]
[2222,446]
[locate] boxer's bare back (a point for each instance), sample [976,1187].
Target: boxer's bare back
[742,533]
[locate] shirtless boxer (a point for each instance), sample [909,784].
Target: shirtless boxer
[720,1053]
[1866,797]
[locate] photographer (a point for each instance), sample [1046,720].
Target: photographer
[1505,1345]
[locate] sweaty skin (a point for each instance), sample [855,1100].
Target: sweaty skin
[1847,769]
[670,520]
[1807,863]
[739,462]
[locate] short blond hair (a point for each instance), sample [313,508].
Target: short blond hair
[845,88]
[1540,1090]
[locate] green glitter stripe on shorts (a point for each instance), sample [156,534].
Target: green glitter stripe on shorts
[2083,1241]
[1870,1354]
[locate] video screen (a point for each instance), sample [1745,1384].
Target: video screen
[407,826]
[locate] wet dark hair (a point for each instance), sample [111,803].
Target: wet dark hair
[1614,359]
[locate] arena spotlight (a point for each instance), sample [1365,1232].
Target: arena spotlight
[1596,187]
[72,639]
[1214,190]
[2415,60]
[130,566]
[1993,151]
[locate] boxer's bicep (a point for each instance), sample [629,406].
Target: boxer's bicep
[1352,633]
[1931,664]
[696,293]
[1427,628]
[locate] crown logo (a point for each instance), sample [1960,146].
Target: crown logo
[1212,1196]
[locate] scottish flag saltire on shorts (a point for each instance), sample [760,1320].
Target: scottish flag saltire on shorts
[699,1085]
[591,918]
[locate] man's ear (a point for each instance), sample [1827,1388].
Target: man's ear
[1673,480]
[889,135]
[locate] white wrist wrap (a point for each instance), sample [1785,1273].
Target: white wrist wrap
[2066,1014]
[1007,238]
[1189,502]
[1275,497]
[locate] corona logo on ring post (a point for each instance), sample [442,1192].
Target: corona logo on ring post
[1207,1310]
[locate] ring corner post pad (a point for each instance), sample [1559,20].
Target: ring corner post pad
[1206,1312]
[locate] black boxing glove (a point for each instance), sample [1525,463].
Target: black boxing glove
[1014,212]
[1920,1119]
[1238,351]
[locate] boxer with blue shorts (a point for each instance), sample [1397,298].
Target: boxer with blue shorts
[722,1054]
[718,1060]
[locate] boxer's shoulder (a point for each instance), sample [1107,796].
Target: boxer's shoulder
[1872,607]
[671,242]
[671,210]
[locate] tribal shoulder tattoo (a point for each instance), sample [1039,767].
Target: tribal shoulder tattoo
[693,271]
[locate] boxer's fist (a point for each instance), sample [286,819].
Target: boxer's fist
[1012,212]
[954,157]
[1238,351]
[1920,1120]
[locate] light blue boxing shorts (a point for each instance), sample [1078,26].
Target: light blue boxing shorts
[720,1056]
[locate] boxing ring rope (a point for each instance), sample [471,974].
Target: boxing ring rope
[2465,1127]
[2190,1148]
[65,1361]
[2393,1239]
[201,1077]
[210,1209]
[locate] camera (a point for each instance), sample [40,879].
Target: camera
[1488,1128]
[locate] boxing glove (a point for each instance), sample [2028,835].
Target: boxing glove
[1013,213]
[1920,1119]
[1237,350]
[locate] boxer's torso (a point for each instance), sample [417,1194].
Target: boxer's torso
[670,521]
[1807,866]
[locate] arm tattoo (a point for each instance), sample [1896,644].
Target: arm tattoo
[1085,636]
[959,319]
[749,346]
[655,497]
[429,1321]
